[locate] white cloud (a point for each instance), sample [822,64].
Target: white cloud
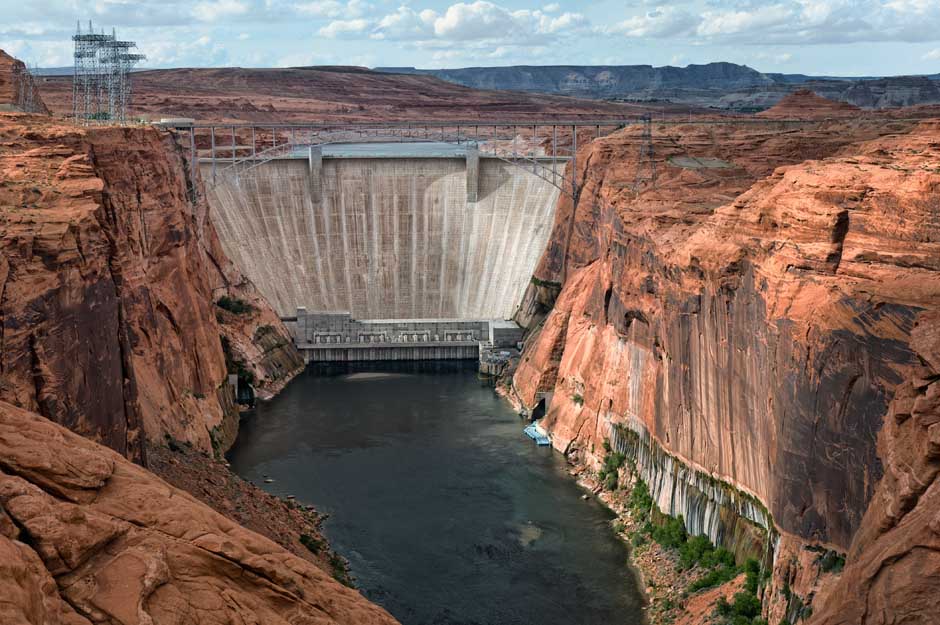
[406,24]
[344,28]
[213,11]
[552,8]
[659,23]
[933,55]
[320,8]
[333,9]
[733,22]
[476,22]
[480,20]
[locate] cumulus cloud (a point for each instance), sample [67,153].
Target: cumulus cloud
[406,24]
[658,23]
[823,22]
[933,55]
[218,9]
[734,22]
[476,21]
[344,28]
[332,8]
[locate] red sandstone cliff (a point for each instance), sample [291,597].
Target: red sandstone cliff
[759,314]
[108,278]
[88,537]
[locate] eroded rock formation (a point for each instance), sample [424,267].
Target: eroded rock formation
[108,277]
[88,537]
[756,311]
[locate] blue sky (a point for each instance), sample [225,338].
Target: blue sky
[837,37]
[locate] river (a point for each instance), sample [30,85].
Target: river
[447,513]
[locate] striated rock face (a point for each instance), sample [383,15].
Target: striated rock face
[108,277]
[88,537]
[756,312]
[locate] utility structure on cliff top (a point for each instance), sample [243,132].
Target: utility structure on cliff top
[101,85]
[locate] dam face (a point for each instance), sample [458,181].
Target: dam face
[389,237]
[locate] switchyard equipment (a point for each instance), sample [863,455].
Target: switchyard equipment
[101,85]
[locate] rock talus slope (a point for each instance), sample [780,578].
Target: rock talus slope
[108,277]
[88,537]
[761,311]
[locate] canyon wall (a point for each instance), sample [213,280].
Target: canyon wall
[753,313]
[391,238]
[88,537]
[108,278]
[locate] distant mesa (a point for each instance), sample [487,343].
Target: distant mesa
[806,103]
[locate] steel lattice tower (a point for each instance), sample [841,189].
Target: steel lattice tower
[101,83]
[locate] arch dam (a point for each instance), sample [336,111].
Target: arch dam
[394,242]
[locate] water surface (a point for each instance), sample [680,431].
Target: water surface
[447,513]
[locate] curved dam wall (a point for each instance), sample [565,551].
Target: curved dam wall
[387,238]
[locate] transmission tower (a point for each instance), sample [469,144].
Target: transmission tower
[646,164]
[26,98]
[101,83]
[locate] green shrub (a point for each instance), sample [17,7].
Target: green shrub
[234,305]
[671,534]
[315,545]
[338,567]
[638,540]
[610,481]
[746,604]
[609,474]
[832,562]
[640,500]
[578,399]
[722,607]
[715,577]
[718,557]
[752,571]
[744,609]
[693,550]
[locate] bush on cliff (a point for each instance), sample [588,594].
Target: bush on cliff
[234,305]
[671,533]
[640,500]
[744,609]
[312,543]
[609,475]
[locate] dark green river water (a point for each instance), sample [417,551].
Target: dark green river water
[447,513]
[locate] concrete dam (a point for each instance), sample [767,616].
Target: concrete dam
[386,232]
